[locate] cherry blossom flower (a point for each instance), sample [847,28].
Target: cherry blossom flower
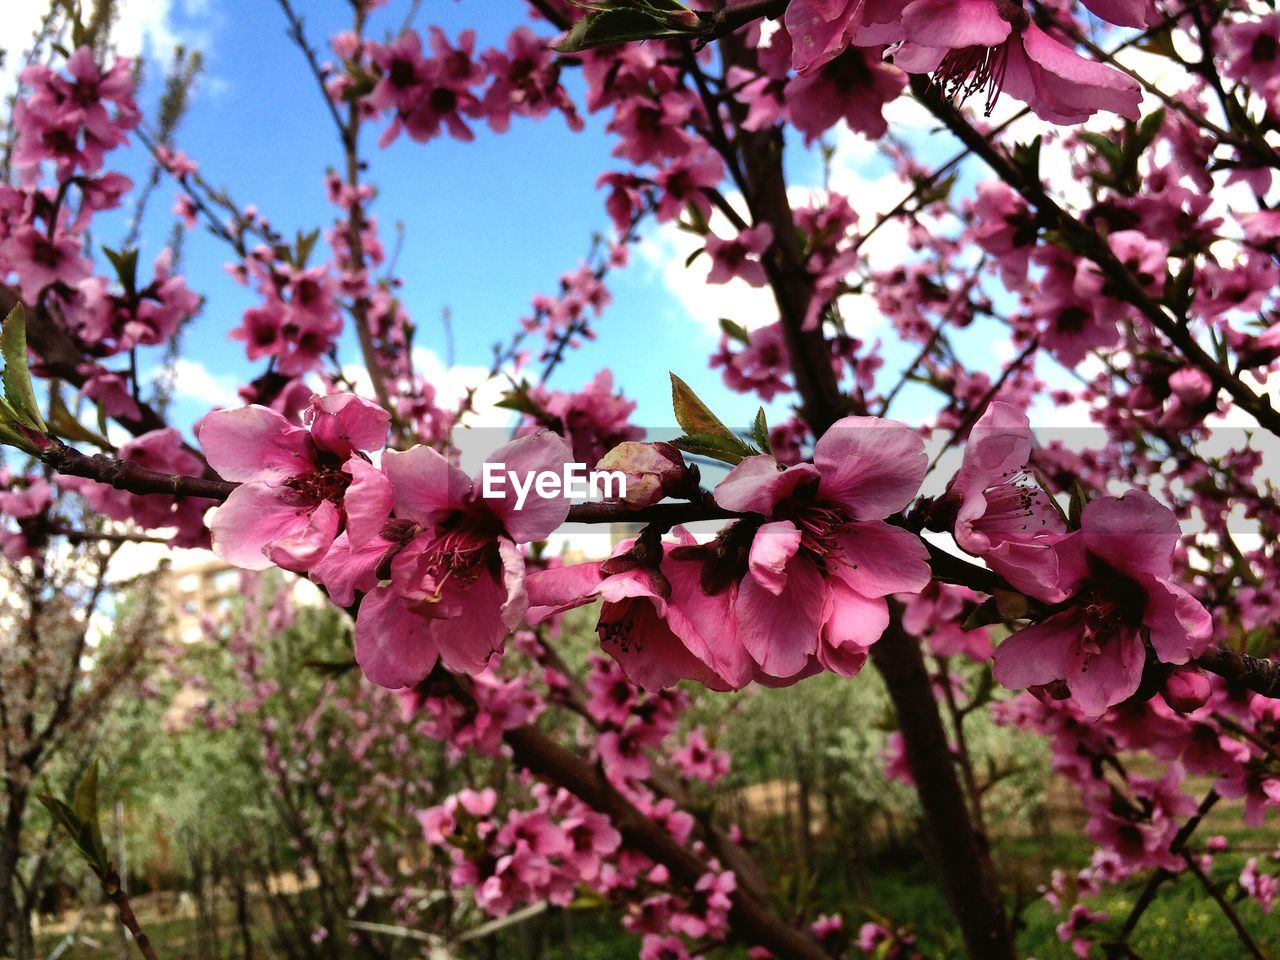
[1118,570]
[297,487]
[457,588]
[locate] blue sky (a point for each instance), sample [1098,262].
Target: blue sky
[488,224]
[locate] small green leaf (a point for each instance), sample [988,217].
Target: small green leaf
[305,244]
[64,424]
[1079,499]
[17,377]
[1026,157]
[725,449]
[126,265]
[735,331]
[760,432]
[694,415]
[626,21]
[80,819]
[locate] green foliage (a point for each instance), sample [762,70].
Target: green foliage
[20,419]
[705,433]
[79,819]
[617,21]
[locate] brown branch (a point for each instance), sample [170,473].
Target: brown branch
[1257,674]
[130,476]
[963,852]
[1241,933]
[115,892]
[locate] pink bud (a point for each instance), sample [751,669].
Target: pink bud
[1186,689]
[653,471]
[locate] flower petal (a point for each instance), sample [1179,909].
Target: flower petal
[873,467]
[254,443]
[526,458]
[367,502]
[394,646]
[427,486]
[878,559]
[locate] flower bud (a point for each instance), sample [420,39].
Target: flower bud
[653,471]
[1186,689]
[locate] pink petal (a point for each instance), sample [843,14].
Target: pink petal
[1180,628]
[873,467]
[878,559]
[368,501]
[1123,13]
[1134,533]
[529,456]
[1108,677]
[517,598]
[427,486]
[344,572]
[955,24]
[344,423]
[559,589]
[757,484]
[780,631]
[394,646]
[306,542]
[707,624]
[254,443]
[1038,654]
[254,516]
[852,624]
[474,631]
[771,550]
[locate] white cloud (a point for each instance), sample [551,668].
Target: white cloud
[192,380]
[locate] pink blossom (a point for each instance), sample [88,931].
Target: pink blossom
[1002,515]
[1118,569]
[821,534]
[457,587]
[297,488]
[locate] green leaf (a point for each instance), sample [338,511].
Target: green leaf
[80,819]
[17,377]
[10,437]
[626,21]
[64,424]
[760,432]
[725,449]
[126,265]
[694,415]
[735,331]
[1026,157]
[305,244]
[1079,499]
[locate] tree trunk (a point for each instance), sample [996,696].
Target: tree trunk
[15,923]
[963,854]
